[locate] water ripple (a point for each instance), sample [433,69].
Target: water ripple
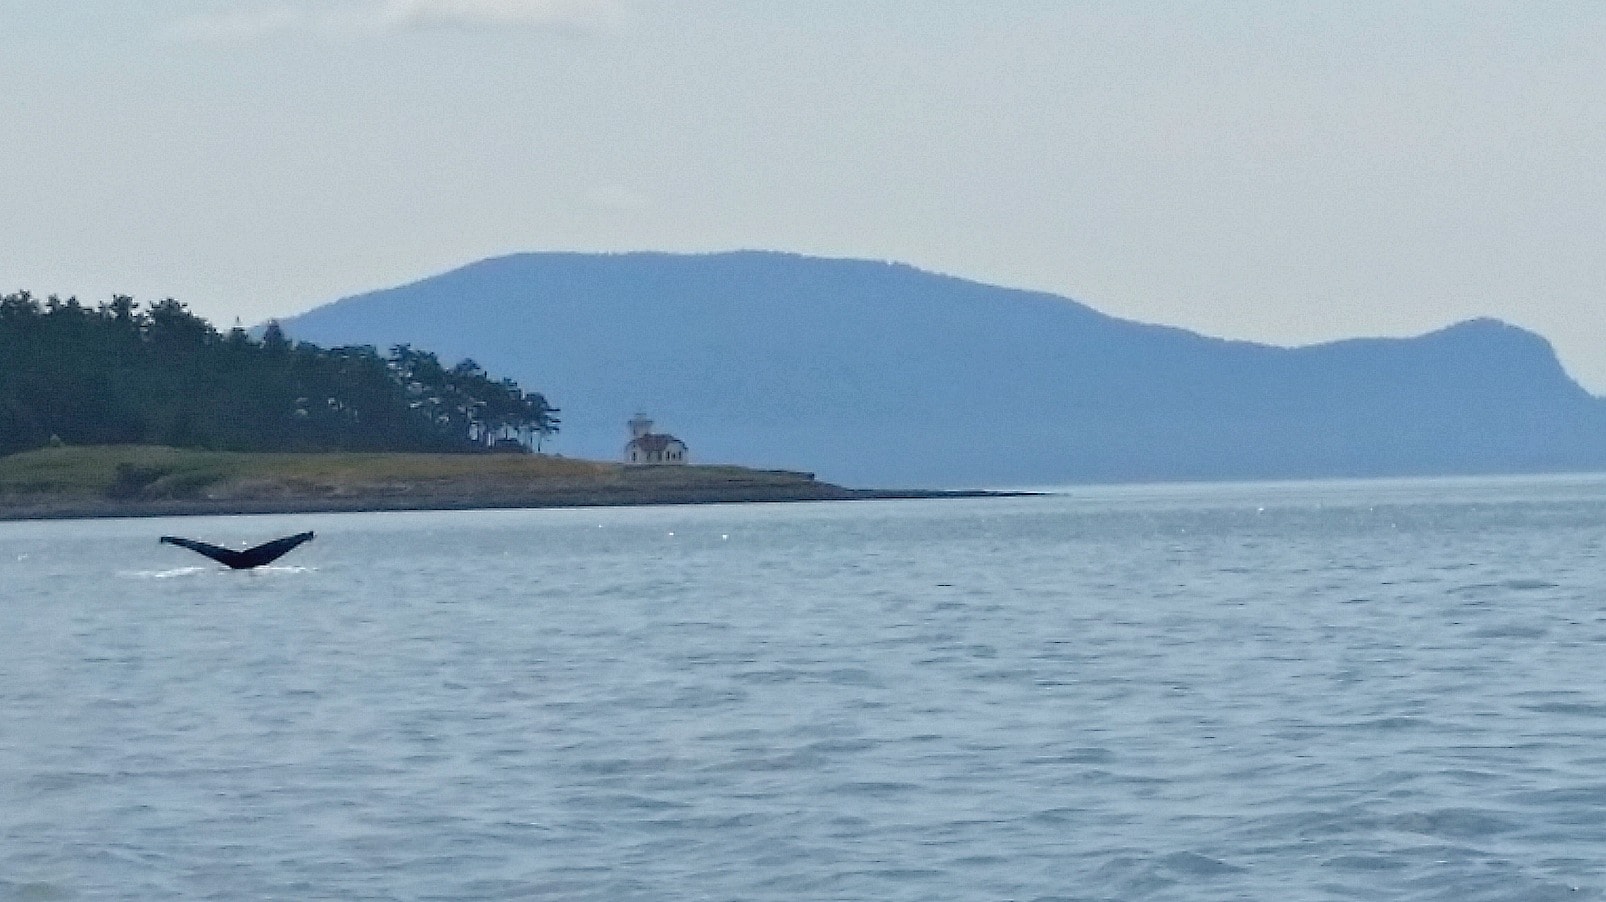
[1330,691]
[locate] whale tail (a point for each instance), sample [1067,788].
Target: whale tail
[265,553]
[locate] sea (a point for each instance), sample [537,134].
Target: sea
[1363,690]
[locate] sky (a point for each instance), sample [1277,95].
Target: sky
[1277,171]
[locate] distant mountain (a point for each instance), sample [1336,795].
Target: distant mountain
[880,374]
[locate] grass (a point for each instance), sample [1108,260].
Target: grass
[141,472]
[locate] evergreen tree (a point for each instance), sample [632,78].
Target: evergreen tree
[118,374]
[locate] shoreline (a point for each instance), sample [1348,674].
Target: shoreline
[151,481]
[102,509]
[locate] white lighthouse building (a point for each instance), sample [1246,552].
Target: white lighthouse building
[648,447]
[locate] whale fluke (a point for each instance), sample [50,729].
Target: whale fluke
[265,553]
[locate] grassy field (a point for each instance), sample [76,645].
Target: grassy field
[145,473]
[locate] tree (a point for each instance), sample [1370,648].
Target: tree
[541,418]
[273,340]
[118,374]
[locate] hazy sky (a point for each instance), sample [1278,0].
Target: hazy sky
[1276,171]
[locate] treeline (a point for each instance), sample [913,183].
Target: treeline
[119,373]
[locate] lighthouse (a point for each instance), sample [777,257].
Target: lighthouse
[648,447]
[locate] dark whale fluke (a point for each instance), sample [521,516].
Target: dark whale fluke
[265,553]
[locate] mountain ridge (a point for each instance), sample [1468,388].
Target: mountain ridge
[882,373]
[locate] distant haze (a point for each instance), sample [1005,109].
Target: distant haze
[881,374]
[1287,172]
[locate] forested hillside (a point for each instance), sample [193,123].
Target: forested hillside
[122,374]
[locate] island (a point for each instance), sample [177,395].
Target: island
[155,481]
[122,410]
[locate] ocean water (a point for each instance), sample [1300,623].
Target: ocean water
[1366,690]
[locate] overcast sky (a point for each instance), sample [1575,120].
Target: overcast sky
[1275,171]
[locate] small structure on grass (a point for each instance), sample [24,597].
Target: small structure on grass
[648,447]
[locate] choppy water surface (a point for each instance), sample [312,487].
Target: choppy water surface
[1323,691]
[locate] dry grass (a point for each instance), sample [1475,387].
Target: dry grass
[158,472]
[149,473]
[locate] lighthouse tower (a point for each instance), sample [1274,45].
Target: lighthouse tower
[640,425]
